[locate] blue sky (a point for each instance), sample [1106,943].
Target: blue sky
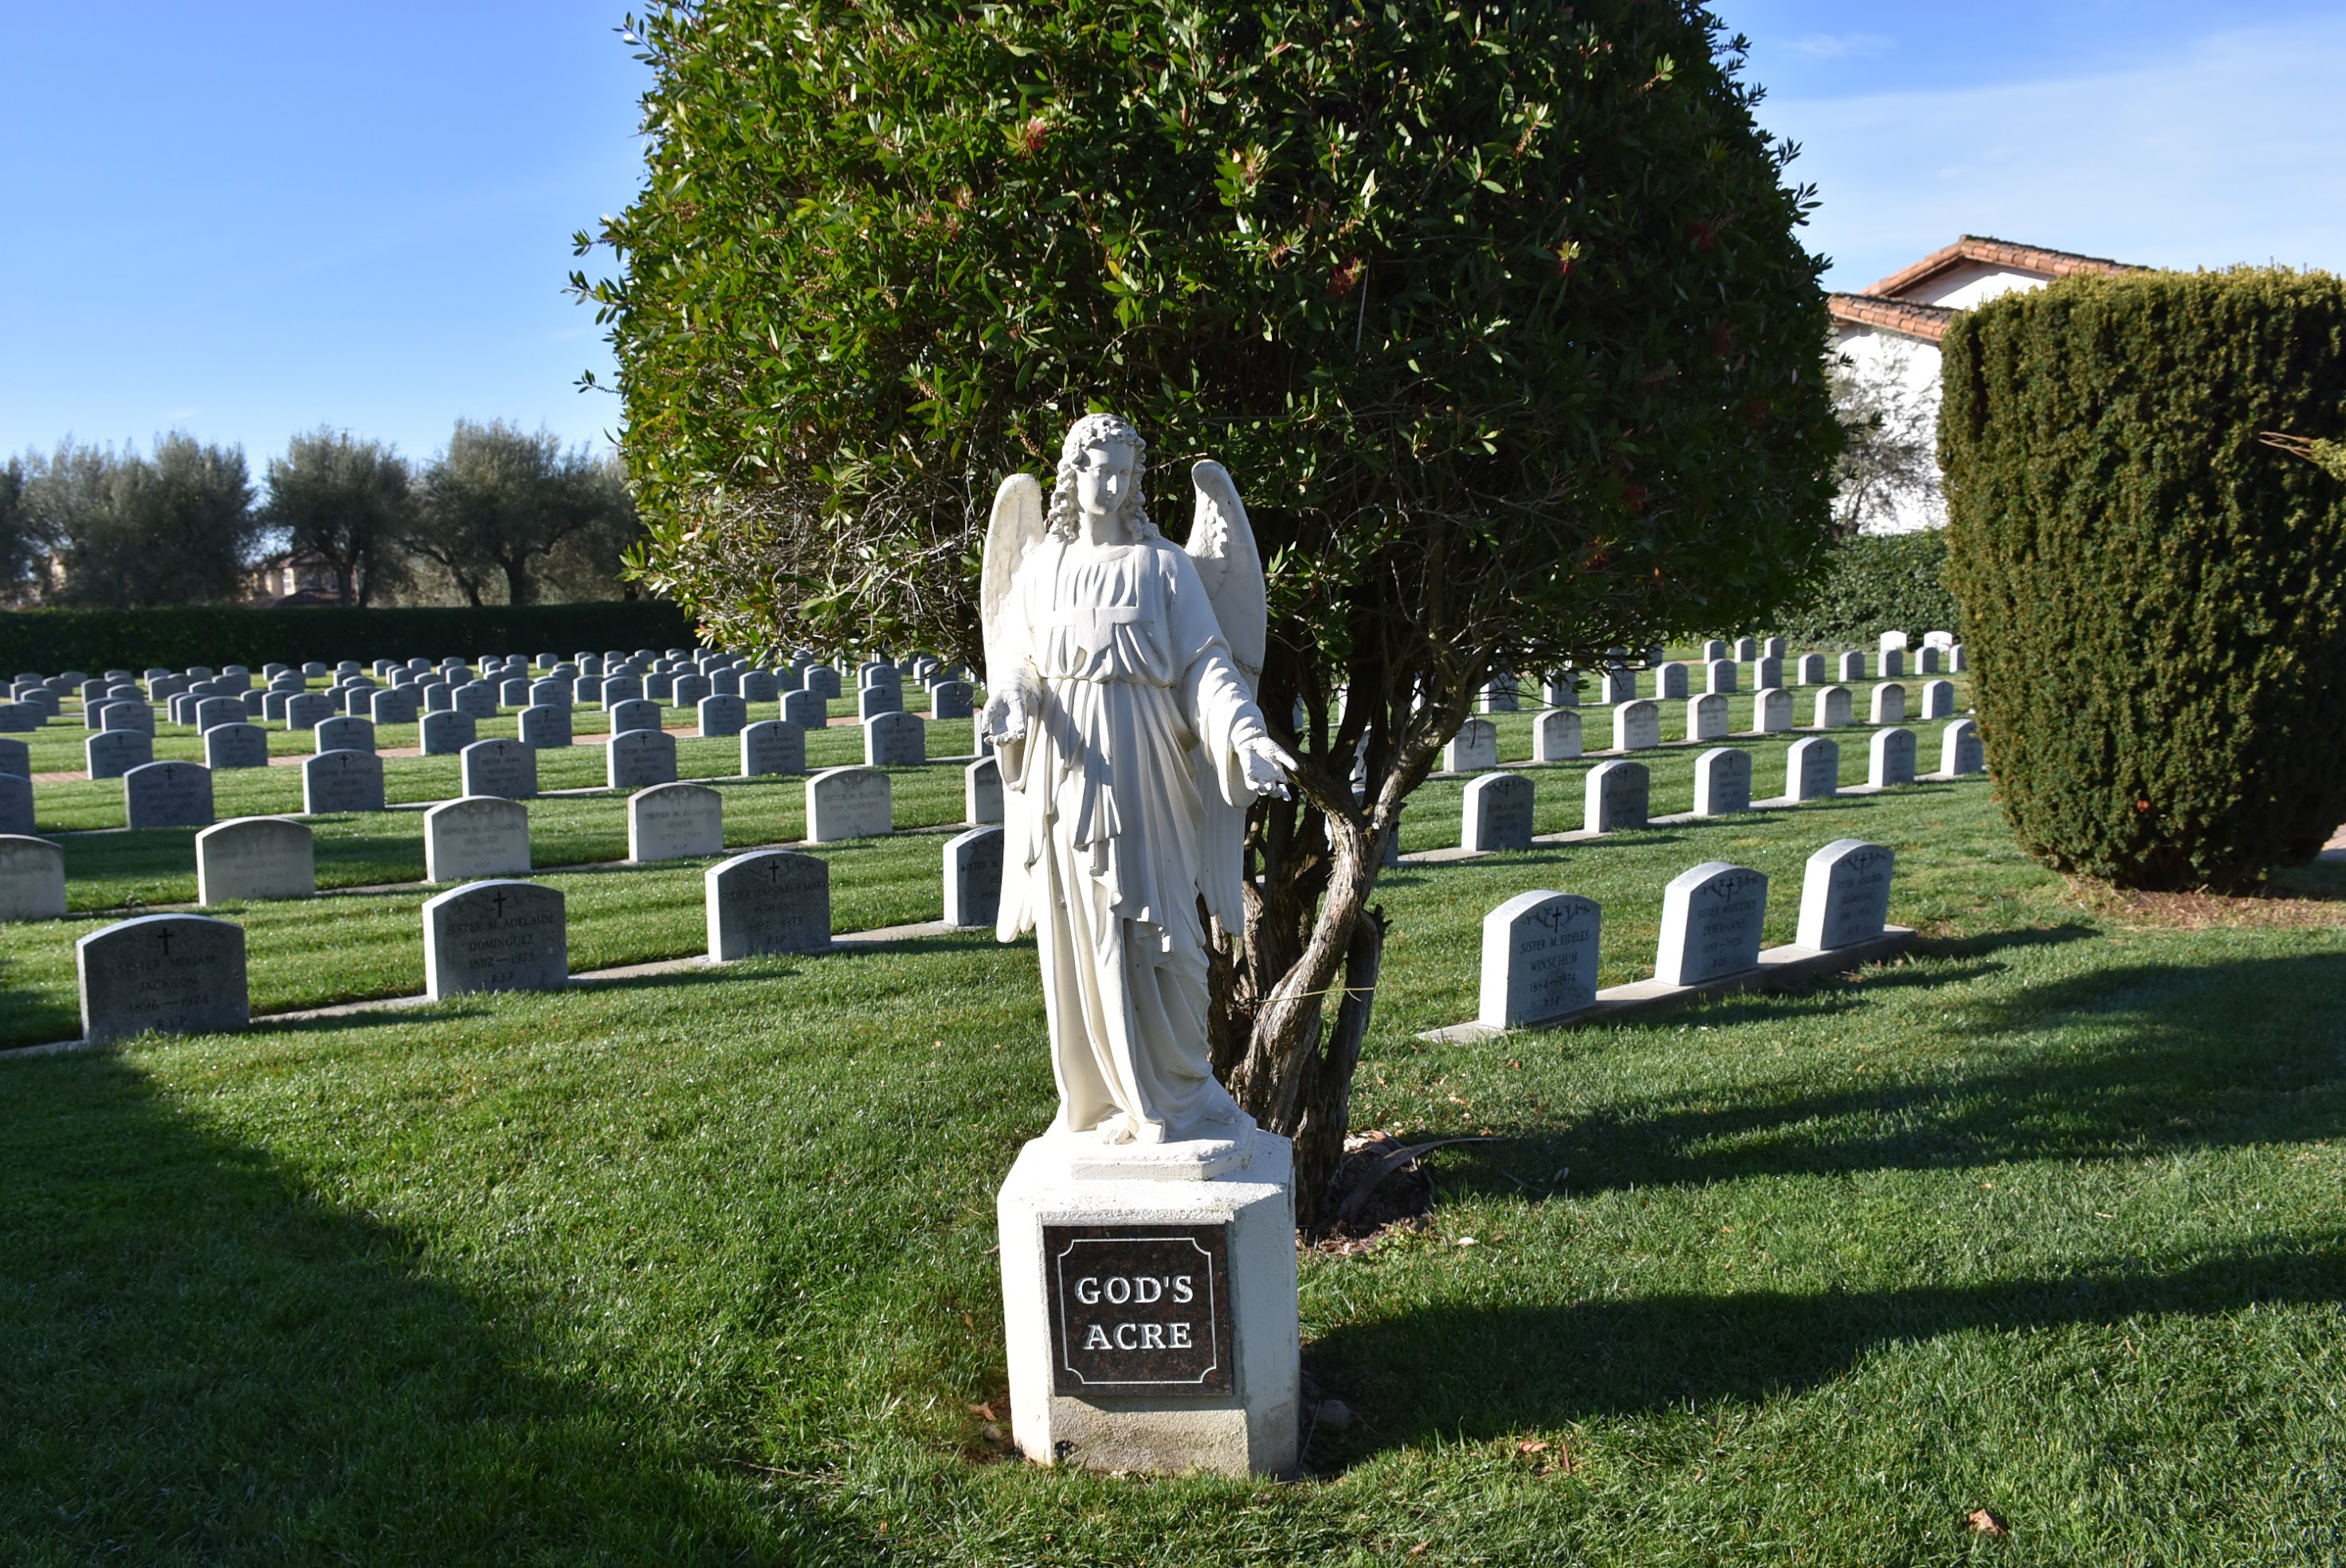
[245,219]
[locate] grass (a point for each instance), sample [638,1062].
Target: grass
[2043,1219]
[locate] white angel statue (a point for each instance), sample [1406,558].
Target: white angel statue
[1120,673]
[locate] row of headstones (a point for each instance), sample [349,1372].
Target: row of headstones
[1497,810]
[1557,734]
[177,973]
[1540,948]
[1721,678]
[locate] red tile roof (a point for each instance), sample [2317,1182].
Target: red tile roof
[1979,247]
[1899,316]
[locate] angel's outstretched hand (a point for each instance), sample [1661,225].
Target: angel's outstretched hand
[1266,765]
[1006,717]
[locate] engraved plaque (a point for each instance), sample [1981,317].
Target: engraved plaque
[1140,1309]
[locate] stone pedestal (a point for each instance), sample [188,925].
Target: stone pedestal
[1149,1297]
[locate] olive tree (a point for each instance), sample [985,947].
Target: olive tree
[1496,311]
[495,503]
[349,502]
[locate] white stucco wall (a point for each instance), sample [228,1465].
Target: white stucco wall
[1911,366]
[1971,283]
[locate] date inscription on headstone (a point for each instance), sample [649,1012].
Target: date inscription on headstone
[1139,1308]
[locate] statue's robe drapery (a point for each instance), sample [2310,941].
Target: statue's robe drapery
[1136,710]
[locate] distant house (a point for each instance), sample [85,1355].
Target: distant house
[292,579]
[1889,336]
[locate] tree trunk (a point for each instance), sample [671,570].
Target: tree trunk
[516,578]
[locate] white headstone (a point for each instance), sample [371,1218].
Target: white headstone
[344,733]
[1892,758]
[1719,675]
[1772,648]
[1813,768]
[478,836]
[636,758]
[1555,736]
[1960,752]
[1707,718]
[1893,662]
[1617,793]
[335,781]
[1834,710]
[214,711]
[1562,689]
[230,746]
[675,823]
[634,712]
[1927,661]
[393,705]
[172,974]
[1956,663]
[253,858]
[1539,959]
[1714,649]
[495,936]
[847,803]
[546,726]
[972,872]
[1722,782]
[773,746]
[447,733]
[1893,641]
[875,700]
[981,791]
[1498,695]
[32,878]
[168,794]
[1845,894]
[1889,703]
[1767,670]
[1637,724]
[806,709]
[1711,918]
[1474,749]
[1616,686]
[1852,666]
[1811,670]
[768,902]
[1497,814]
[116,751]
[501,767]
[824,681]
[1938,699]
[1746,649]
[1771,711]
[1670,682]
[895,740]
[722,715]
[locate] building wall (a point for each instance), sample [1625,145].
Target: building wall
[1907,369]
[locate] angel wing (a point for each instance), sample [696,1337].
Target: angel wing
[1221,546]
[1017,523]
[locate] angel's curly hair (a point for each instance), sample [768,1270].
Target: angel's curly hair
[1092,430]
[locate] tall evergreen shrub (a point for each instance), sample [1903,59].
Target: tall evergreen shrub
[2154,603]
[1876,583]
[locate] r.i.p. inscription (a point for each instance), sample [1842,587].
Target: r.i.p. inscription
[1139,1308]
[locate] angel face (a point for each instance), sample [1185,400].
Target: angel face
[1107,472]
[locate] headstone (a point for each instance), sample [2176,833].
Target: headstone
[1707,716]
[1711,919]
[171,973]
[1617,793]
[334,781]
[118,715]
[16,757]
[167,795]
[214,711]
[675,823]
[1719,677]
[1852,666]
[447,733]
[1891,641]
[117,752]
[1499,694]
[952,699]
[506,768]
[1555,736]
[1474,749]
[272,705]
[495,936]
[759,685]
[972,871]
[1722,782]
[1746,649]
[849,803]
[1771,711]
[393,705]
[722,716]
[1960,752]
[553,693]
[15,803]
[1889,703]
[546,726]
[824,681]
[249,857]
[477,699]
[636,713]
[688,691]
[981,791]
[1497,813]
[439,696]
[619,688]
[768,902]
[806,709]
[32,878]
[1832,710]
[1892,759]
[1670,682]
[1956,663]
[1772,648]
[1637,724]
[1813,768]
[255,703]
[1714,649]
[513,693]
[1845,895]
[585,689]
[773,746]
[1938,699]
[235,746]
[477,836]
[1539,959]
[1893,662]
[874,700]
[1767,672]
[343,733]
[1563,691]
[1616,686]
[1926,662]
[1811,670]
[637,758]
[895,740]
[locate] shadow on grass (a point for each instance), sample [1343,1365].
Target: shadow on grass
[1480,1372]
[2155,1057]
[203,1359]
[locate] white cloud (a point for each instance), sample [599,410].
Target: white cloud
[1842,46]
[2229,152]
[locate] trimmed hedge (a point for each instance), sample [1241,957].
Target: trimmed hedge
[2154,604]
[1876,583]
[53,640]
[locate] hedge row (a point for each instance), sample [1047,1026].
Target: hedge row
[1876,583]
[48,641]
[2154,602]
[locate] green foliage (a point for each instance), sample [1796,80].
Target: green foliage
[18,545]
[173,528]
[2154,602]
[1875,583]
[175,637]
[497,504]
[348,501]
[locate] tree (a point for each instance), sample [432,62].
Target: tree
[497,502]
[347,502]
[176,528]
[21,545]
[1495,310]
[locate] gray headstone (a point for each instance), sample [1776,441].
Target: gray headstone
[1707,716]
[556,693]
[1746,649]
[235,746]
[895,740]
[1767,672]
[1893,662]
[636,713]
[1813,768]
[32,878]
[1616,686]
[1719,675]
[167,795]
[546,726]
[1670,681]
[117,752]
[972,873]
[495,936]
[342,782]
[439,696]
[15,803]
[1497,814]
[1474,749]
[447,733]
[1500,694]
[121,716]
[307,710]
[1960,752]
[1811,670]
[506,768]
[768,902]
[874,700]
[981,791]
[513,692]
[16,757]
[1852,666]
[1889,703]
[952,699]
[675,823]
[806,709]
[1555,736]
[1771,711]
[1562,690]
[214,711]
[1927,661]
[618,688]
[1957,662]
[724,683]
[1711,919]
[249,858]
[722,716]
[1539,959]
[636,758]
[1637,724]
[1618,794]
[773,746]
[1722,782]
[1938,699]
[343,733]
[171,973]
[849,803]
[1772,648]
[1832,710]
[1714,649]
[479,836]
[1890,759]
[1845,894]
[272,705]
[477,699]
[393,705]
[824,681]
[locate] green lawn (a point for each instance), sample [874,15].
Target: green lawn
[2045,1220]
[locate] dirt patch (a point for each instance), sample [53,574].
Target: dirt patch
[1380,1189]
[2273,908]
